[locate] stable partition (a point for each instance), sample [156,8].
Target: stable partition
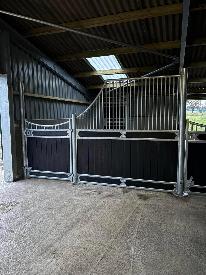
[131,136]
[48,150]
[139,160]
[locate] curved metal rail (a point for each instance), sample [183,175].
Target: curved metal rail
[145,103]
[57,126]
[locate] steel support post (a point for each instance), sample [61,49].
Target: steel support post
[74,150]
[181,184]
[24,147]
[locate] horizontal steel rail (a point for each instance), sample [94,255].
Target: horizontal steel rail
[127,179]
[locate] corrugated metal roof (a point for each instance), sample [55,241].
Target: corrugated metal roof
[153,30]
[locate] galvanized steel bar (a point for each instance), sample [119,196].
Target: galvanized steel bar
[23,137]
[181,150]
[74,150]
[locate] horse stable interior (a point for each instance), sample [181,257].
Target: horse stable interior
[101,171]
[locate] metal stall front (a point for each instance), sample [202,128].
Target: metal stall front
[131,136]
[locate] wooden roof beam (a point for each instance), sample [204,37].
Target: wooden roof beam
[174,44]
[117,51]
[115,71]
[110,19]
[201,64]
[54,98]
[114,19]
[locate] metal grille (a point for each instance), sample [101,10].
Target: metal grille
[149,103]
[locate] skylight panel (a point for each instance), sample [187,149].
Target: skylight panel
[109,62]
[113,76]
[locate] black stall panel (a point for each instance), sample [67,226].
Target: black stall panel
[196,165]
[137,159]
[48,154]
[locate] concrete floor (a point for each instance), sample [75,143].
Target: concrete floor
[51,227]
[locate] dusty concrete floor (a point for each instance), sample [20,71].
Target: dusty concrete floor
[50,227]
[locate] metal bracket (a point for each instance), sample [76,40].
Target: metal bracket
[70,176]
[69,133]
[123,134]
[75,180]
[177,136]
[28,133]
[77,133]
[123,182]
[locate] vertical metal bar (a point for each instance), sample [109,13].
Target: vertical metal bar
[141,94]
[169,91]
[130,106]
[113,106]
[149,107]
[23,137]
[165,101]
[96,113]
[137,102]
[145,103]
[172,126]
[105,104]
[160,121]
[127,105]
[70,147]
[102,108]
[181,150]
[74,150]
[157,103]
[152,104]
[116,101]
[177,103]
[90,117]
[99,114]
[120,90]
[109,105]
[123,106]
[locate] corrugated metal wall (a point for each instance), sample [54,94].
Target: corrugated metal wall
[39,81]
[50,92]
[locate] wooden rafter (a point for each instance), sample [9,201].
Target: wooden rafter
[114,19]
[174,44]
[115,71]
[122,50]
[143,69]
[45,97]
[111,19]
